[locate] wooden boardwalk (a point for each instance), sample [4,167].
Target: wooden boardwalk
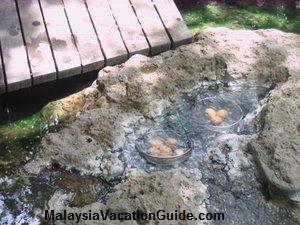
[45,40]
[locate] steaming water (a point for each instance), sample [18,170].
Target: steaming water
[21,199]
[248,98]
[21,196]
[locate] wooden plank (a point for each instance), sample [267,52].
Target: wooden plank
[152,25]
[13,49]
[84,34]
[38,47]
[173,22]
[2,82]
[130,28]
[65,53]
[107,31]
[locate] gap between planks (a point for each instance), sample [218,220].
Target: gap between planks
[170,31]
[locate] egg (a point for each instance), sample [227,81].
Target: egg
[209,113]
[216,120]
[165,151]
[156,143]
[154,151]
[179,151]
[223,113]
[165,154]
[171,142]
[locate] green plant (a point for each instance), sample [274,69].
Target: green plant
[241,16]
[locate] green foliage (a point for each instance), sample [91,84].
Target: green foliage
[171,114]
[215,85]
[250,17]
[19,139]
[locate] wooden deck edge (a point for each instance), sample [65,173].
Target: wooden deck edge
[172,32]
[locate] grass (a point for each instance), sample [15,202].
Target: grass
[236,17]
[19,139]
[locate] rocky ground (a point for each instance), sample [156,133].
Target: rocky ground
[223,177]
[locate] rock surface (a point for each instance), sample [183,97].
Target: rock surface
[235,187]
[258,57]
[171,190]
[135,93]
[278,145]
[91,144]
[281,131]
[255,57]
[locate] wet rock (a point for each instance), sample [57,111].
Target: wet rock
[235,187]
[171,190]
[54,113]
[252,123]
[60,200]
[156,108]
[142,88]
[229,151]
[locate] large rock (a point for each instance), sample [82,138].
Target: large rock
[133,94]
[93,143]
[278,145]
[235,187]
[257,57]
